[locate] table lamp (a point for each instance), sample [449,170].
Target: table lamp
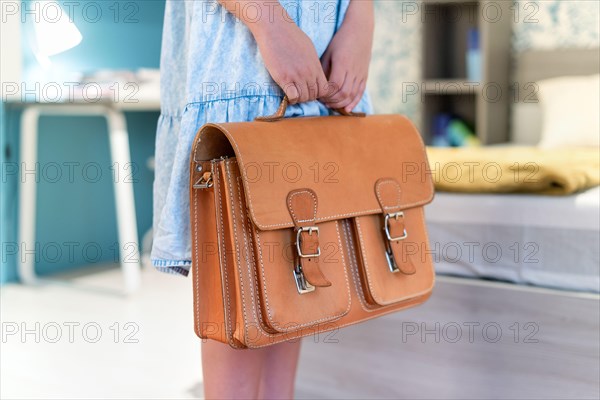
[53,36]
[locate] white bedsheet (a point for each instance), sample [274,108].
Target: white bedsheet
[539,240]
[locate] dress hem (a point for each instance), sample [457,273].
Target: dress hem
[175,267]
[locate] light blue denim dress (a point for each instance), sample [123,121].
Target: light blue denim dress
[212,71]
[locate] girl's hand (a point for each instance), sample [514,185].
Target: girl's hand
[288,53]
[292,61]
[346,60]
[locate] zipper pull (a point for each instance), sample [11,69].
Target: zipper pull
[204,182]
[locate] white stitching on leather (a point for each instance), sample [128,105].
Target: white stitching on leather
[314,205]
[326,218]
[243,298]
[398,195]
[345,269]
[220,238]
[195,267]
[260,260]
[251,263]
[239,267]
[378,300]
[225,290]
[414,302]
[254,296]
[310,323]
[282,337]
[354,265]
[364,257]
[319,219]
[253,272]
[224,271]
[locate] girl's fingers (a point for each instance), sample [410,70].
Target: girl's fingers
[313,90]
[345,92]
[292,92]
[357,97]
[304,92]
[353,93]
[326,63]
[329,91]
[337,80]
[322,86]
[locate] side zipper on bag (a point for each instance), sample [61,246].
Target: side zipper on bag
[206,179]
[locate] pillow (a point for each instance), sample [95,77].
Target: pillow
[526,123]
[571,111]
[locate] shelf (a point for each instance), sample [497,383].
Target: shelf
[463,107]
[445,88]
[445,30]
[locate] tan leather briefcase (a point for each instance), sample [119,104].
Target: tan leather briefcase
[305,225]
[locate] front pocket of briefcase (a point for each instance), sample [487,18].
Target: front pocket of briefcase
[284,306]
[383,282]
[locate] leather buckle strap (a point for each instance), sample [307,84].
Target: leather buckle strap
[389,195]
[302,205]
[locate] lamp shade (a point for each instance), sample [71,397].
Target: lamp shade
[55,35]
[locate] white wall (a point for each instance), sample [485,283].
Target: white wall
[10,45]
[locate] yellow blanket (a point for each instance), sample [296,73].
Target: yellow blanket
[514,169]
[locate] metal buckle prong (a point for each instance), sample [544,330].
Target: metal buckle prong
[310,230]
[386,226]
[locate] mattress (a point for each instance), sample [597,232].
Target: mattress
[550,241]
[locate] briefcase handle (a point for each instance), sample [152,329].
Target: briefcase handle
[280,113]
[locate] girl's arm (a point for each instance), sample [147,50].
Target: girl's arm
[288,53]
[346,60]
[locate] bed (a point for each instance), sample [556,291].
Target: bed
[539,240]
[549,241]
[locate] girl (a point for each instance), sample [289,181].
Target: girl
[230,61]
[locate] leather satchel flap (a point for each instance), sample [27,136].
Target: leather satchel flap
[340,158]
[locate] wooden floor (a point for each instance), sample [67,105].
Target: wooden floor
[556,356]
[384,358]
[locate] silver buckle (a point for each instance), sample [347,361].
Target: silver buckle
[386,226]
[389,256]
[310,230]
[301,283]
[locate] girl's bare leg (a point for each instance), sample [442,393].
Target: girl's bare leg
[230,373]
[267,373]
[279,371]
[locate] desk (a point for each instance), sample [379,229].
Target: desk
[124,197]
